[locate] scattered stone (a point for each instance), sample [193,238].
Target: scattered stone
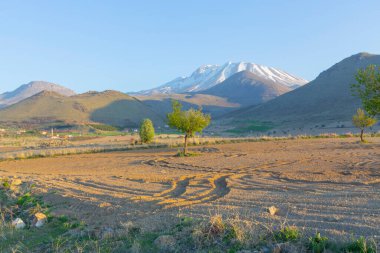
[18,223]
[39,220]
[165,243]
[272,210]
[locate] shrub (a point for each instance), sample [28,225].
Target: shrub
[217,232]
[318,243]
[146,131]
[361,245]
[287,234]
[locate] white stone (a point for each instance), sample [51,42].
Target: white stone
[18,223]
[39,220]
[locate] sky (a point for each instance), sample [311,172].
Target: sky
[134,45]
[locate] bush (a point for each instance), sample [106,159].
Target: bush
[362,246]
[146,131]
[318,243]
[217,232]
[287,234]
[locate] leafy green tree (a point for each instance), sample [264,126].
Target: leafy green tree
[361,121]
[146,131]
[368,89]
[188,122]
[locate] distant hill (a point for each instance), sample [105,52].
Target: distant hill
[208,76]
[247,88]
[326,99]
[30,89]
[214,105]
[108,107]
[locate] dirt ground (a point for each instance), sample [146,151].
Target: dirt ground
[326,185]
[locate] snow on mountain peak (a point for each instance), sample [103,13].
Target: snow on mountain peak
[208,76]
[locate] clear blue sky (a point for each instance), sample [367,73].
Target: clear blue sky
[133,45]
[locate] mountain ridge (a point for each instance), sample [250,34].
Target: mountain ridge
[247,88]
[208,76]
[109,107]
[328,98]
[30,89]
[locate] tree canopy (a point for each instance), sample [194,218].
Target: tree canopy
[368,89]
[146,131]
[188,122]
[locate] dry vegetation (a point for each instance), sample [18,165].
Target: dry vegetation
[217,200]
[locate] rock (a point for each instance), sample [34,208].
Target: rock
[39,220]
[16,182]
[165,243]
[18,223]
[272,210]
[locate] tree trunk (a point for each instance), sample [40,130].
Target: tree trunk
[185,146]
[361,135]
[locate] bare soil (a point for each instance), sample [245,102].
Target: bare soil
[326,185]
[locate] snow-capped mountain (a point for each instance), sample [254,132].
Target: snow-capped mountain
[208,76]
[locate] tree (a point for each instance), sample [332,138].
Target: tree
[146,131]
[188,122]
[361,121]
[368,89]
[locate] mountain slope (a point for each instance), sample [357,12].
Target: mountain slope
[208,76]
[326,99]
[30,89]
[247,88]
[214,105]
[108,107]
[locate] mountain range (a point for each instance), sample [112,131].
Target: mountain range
[242,97]
[108,107]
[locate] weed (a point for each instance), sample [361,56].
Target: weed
[226,235]
[361,245]
[318,243]
[287,234]
[6,184]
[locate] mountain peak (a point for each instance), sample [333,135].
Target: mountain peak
[208,76]
[247,88]
[363,55]
[30,89]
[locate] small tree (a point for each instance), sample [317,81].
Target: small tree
[146,131]
[188,122]
[368,89]
[361,121]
